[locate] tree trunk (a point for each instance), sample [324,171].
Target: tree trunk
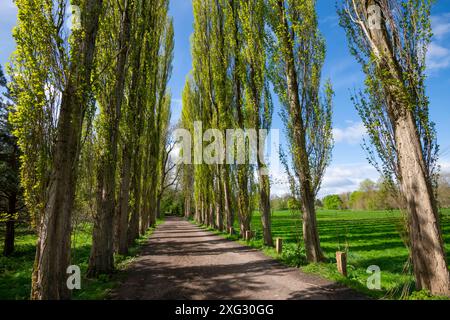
[133,226]
[243,200]
[310,231]
[427,249]
[202,212]
[101,260]
[53,246]
[227,199]
[158,206]
[197,212]
[144,217]
[8,248]
[219,199]
[264,204]
[187,207]
[151,215]
[123,206]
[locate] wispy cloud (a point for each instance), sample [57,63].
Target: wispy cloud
[331,20]
[338,179]
[438,57]
[346,178]
[352,134]
[344,73]
[440,25]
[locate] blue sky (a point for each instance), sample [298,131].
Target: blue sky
[349,166]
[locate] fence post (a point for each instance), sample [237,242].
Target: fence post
[279,245]
[341,261]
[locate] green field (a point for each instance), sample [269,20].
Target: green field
[15,271]
[368,237]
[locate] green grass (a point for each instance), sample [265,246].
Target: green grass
[15,271]
[368,237]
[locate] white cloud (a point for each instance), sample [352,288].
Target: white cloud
[445,166]
[338,179]
[352,134]
[438,57]
[440,25]
[346,178]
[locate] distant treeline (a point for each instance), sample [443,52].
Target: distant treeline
[369,196]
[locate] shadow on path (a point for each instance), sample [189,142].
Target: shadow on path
[181,261]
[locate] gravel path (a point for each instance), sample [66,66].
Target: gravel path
[182,261]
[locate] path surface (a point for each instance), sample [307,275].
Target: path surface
[182,261]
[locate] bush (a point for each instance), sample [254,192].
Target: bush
[332,202]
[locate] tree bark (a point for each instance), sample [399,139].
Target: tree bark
[158,206]
[123,206]
[310,231]
[202,212]
[264,204]
[53,246]
[227,199]
[427,247]
[219,199]
[133,226]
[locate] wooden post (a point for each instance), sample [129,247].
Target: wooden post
[231,231]
[279,245]
[248,235]
[341,260]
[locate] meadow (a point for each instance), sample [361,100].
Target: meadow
[368,237]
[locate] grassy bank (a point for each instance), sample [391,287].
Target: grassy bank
[368,237]
[15,271]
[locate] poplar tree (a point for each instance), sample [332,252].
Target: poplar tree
[297,59]
[52,76]
[390,38]
[258,97]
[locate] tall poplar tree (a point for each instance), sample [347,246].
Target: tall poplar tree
[52,76]
[258,97]
[297,59]
[390,38]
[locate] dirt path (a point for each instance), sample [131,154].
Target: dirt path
[182,261]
